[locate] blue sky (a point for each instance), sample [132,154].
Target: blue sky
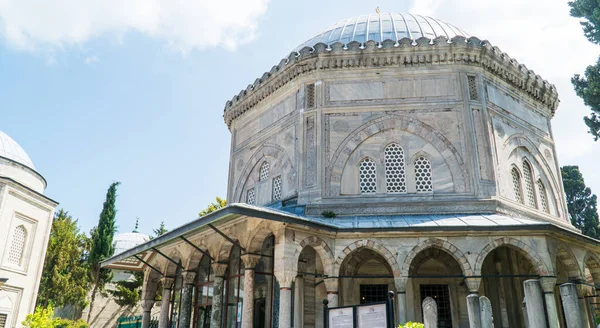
[96,94]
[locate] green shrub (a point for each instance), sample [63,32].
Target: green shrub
[44,318]
[411,324]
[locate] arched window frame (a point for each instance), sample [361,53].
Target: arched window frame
[530,192]
[425,185]
[204,287]
[18,246]
[263,173]
[367,181]
[516,183]
[543,196]
[395,171]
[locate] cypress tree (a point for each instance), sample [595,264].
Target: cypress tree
[102,244]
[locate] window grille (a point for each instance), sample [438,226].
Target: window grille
[529,184]
[3,318]
[423,174]
[395,175]
[441,296]
[473,93]
[264,171]
[373,293]
[250,197]
[310,96]
[277,188]
[543,196]
[517,185]
[368,177]
[17,247]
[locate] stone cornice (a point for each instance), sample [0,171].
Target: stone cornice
[406,52]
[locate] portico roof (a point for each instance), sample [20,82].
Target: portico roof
[137,258]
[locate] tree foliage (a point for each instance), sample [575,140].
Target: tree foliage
[588,86]
[581,203]
[102,246]
[65,277]
[43,317]
[218,204]
[161,230]
[128,292]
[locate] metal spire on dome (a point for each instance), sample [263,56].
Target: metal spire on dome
[137,222]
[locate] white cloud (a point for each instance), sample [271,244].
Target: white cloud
[183,24]
[91,59]
[541,35]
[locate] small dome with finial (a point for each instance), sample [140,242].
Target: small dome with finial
[128,240]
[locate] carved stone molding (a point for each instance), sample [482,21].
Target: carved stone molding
[250,260]
[405,53]
[167,282]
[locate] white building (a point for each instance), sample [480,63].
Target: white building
[25,221]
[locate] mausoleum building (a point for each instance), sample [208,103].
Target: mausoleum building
[390,152]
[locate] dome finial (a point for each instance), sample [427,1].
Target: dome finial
[377,10]
[137,221]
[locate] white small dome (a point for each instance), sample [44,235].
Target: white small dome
[128,240]
[10,149]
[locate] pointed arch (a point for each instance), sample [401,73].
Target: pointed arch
[569,261]
[395,168]
[537,262]
[443,245]
[528,180]
[17,246]
[323,250]
[372,245]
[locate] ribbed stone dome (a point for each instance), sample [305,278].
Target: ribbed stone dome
[384,26]
[128,240]
[10,149]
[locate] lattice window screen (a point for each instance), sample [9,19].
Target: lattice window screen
[529,184]
[17,247]
[3,318]
[395,175]
[516,185]
[543,196]
[368,177]
[264,171]
[310,96]
[277,188]
[423,174]
[251,197]
[473,92]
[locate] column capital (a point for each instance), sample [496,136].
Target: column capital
[548,284]
[250,260]
[473,284]
[167,282]
[285,278]
[331,284]
[400,283]
[189,278]
[147,305]
[219,269]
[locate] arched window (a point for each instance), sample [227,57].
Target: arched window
[17,247]
[527,174]
[234,288]
[251,196]
[276,193]
[367,177]
[516,177]
[423,175]
[543,196]
[395,177]
[264,171]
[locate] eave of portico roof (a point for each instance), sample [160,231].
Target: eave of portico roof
[236,212]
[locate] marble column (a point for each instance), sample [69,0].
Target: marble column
[217,300]
[146,316]
[332,287]
[185,315]
[299,302]
[535,304]
[583,306]
[163,319]
[548,284]
[285,270]
[401,300]
[473,309]
[570,303]
[250,262]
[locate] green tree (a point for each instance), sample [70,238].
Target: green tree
[102,246]
[581,203]
[161,230]
[220,203]
[44,318]
[128,292]
[588,86]
[65,278]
